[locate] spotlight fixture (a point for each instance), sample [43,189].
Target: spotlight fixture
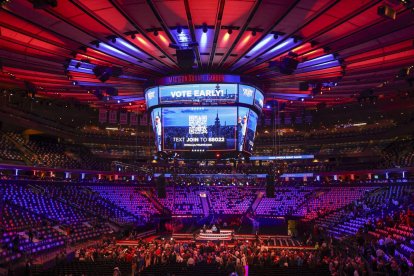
[313,43]
[205,28]
[112,38]
[154,30]
[255,31]
[276,34]
[230,29]
[133,34]
[296,39]
[83,49]
[96,43]
[179,29]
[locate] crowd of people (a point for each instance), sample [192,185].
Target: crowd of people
[381,250]
[227,257]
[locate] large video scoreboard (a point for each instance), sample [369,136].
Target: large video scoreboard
[204,117]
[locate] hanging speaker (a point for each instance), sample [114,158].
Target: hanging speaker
[303,86]
[270,186]
[116,71]
[30,89]
[185,58]
[387,12]
[161,192]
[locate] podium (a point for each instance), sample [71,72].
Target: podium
[224,235]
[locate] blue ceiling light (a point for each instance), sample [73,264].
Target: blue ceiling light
[265,43]
[280,48]
[80,70]
[122,44]
[330,58]
[260,45]
[284,46]
[203,40]
[112,51]
[319,66]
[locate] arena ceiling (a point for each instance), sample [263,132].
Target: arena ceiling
[343,47]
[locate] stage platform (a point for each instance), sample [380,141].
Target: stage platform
[273,241]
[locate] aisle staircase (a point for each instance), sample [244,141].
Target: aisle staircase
[26,154]
[204,202]
[152,199]
[256,202]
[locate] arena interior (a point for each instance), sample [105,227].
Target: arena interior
[206,137]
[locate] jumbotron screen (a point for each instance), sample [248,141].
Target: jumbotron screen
[204,117]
